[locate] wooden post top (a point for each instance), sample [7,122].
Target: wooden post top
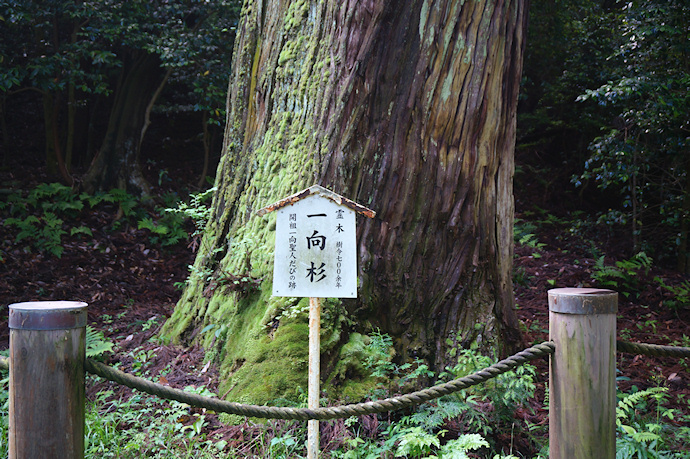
[583,301]
[47,315]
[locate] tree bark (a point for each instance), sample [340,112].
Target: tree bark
[116,164]
[55,162]
[405,106]
[3,130]
[49,110]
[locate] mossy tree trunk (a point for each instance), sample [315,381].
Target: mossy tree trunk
[405,106]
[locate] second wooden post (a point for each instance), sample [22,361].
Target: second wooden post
[582,378]
[47,347]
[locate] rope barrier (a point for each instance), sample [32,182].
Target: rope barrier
[345,411]
[652,349]
[358,409]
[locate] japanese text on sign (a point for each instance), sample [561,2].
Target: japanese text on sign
[315,254]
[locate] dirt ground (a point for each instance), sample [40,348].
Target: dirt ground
[129,282]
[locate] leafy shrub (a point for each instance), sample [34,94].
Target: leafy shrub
[168,230]
[44,232]
[645,433]
[45,215]
[624,275]
[642,155]
[198,211]
[524,234]
[680,293]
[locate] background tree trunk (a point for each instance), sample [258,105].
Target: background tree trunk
[116,164]
[51,131]
[405,106]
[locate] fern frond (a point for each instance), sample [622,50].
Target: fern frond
[96,345]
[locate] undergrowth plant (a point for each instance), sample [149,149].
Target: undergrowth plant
[166,229]
[44,216]
[197,210]
[478,411]
[680,294]
[645,426]
[484,407]
[96,343]
[624,275]
[524,235]
[142,426]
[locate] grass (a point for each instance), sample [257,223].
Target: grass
[142,426]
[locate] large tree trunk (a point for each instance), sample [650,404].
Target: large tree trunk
[405,106]
[116,164]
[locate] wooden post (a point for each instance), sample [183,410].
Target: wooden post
[582,387]
[314,389]
[47,351]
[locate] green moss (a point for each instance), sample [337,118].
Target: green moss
[351,380]
[181,319]
[272,367]
[297,11]
[333,321]
[286,55]
[351,358]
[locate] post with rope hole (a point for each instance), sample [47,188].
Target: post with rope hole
[582,384]
[46,388]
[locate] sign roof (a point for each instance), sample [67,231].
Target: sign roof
[314,190]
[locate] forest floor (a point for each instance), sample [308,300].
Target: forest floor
[129,285]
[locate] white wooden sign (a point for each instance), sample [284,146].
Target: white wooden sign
[315,247]
[315,253]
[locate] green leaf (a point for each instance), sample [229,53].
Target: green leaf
[629,430]
[81,230]
[96,345]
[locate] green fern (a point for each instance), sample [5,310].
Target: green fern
[416,442]
[638,438]
[457,449]
[96,344]
[623,275]
[167,230]
[631,402]
[523,234]
[680,293]
[605,274]
[197,210]
[126,201]
[435,415]
[44,233]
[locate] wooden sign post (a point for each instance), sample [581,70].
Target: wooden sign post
[315,257]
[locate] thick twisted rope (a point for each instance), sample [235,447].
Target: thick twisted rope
[652,349]
[379,406]
[345,411]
